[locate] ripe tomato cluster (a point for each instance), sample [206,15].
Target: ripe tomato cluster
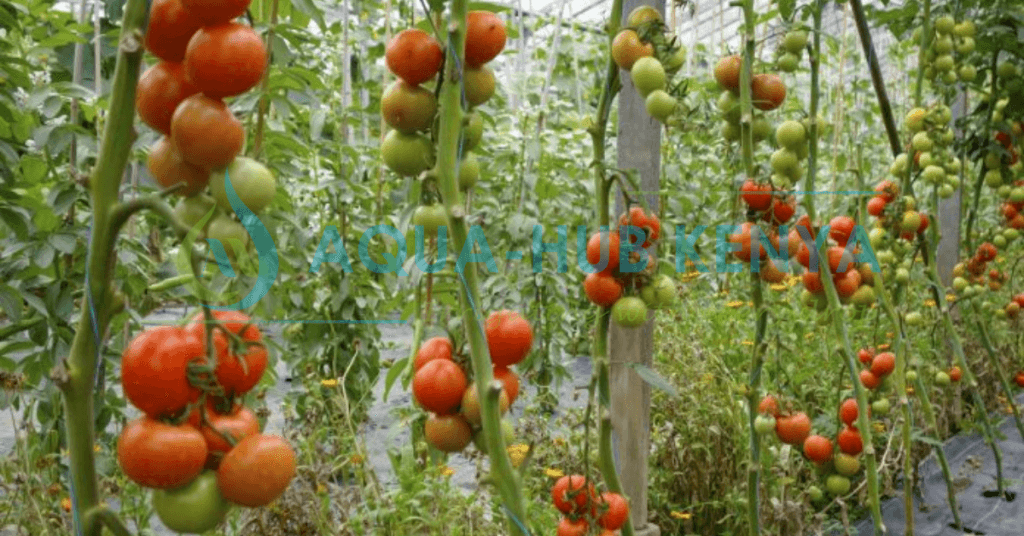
[651,57]
[1012,309]
[584,510]
[853,282]
[410,109]
[204,57]
[794,428]
[969,277]
[628,294]
[195,444]
[948,36]
[880,365]
[440,384]
[896,216]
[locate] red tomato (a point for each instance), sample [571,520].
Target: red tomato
[1019,378]
[841,229]
[848,411]
[413,55]
[650,223]
[226,59]
[170,28]
[168,168]
[511,381]
[883,364]
[987,252]
[509,337]
[887,190]
[568,527]
[160,90]
[756,196]
[847,283]
[239,425]
[924,223]
[257,470]
[955,373]
[768,91]
[727,72]
[818,449]
[812,282]
[601,289]
[211,12]
[158,455]
[769,405]
[745,238]
[438,386]
[485,37]
[615,514]
[572,494]
[433,348]
[604,245]
[154,370]
[206,133]
[869,380]
[448,433]
[783,210]
[865,355]
[850,441]
[876,206]
[240,368]
[793,429]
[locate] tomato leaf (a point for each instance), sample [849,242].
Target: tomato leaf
[786,8]
[308,7]
[654,379]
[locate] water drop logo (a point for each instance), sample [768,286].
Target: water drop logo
[266,251]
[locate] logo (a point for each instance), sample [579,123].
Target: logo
[265,248]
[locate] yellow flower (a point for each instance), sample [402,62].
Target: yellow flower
[734,304]
[910,390]
[750,304]
[929,303]
[329,383]
[778,286]
[950,298]
[516,457]
[96,448]
[553,473]
[520,447]
[680,515]
[65,503]
[747,343]
[889,334]
[1000,259]
[447,471]
[879,427]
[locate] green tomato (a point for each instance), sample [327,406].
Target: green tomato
[629,312]
[408,108]
[946,191]
[730,131]
[942,379]
[945,24]
[1011,234]
[729,105]
[914,318]
[231,235]
[407,154]
[191,210]
[880,407]
[911,221]
[430,217]
[845,464]
[675,61]
[795,41]
[1006,70]
[964,29]
[643,15]
[649,296]
[788,62]
[1017,195]
[878,237]
[761,128]
[943,45]
[791,134]
[660,105]
[251,180]
[911,375]
[469,171]
[863,296]
[815,494]
[993,178]
[784,161]
[478,84]
[999,241]
[764,424]
[924,159]
[837,485]
[472,131]
[902,276]
[648,75]
[945,63]
[194,508]
[965,46]
[921,142]
[933,174]
[664,290]
[507,433]
[959,284]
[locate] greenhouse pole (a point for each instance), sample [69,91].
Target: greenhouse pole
[947,253]
[639,150]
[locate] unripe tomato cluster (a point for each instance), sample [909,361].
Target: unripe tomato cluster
[791,49]
[205,57]
[410,109]
[440,384]
[584,510]
[195,441]
[894,216]
[628,294]
[931,145]
[643,49]
[949,37]
[768,91]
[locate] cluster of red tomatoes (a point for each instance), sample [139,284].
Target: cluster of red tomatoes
[768,91]
[903,219]
[608,286]
[637,49]
[794,428]
[410,109]
[1013,308]
[440,384]
[198,448]
[205,57]
[880,366]
[969,276]
[577,499]
[853,282]
[774,208]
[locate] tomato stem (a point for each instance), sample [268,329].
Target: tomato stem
[1004,382]
[261,115]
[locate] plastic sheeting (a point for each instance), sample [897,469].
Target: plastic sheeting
[972,467]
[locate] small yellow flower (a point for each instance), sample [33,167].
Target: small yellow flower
[747,343]
[778,287]
[929,303]
[889,335]
[97,448]
[910,390]
[680,515]
[734,304]
[1000,259]
[65,503]
[447,471]
[553,473]
[724,292]
[329,383]
[516,457]
[950,298]
[879,427]
[750,304]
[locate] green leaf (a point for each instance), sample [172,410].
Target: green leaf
[72,90]
[10,302]
[394,371]
[786,8]
[62,242]
[309,8]
[654,379]
[16,219]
